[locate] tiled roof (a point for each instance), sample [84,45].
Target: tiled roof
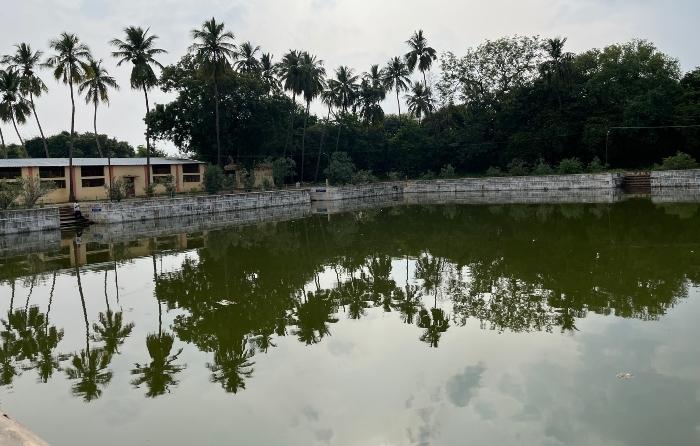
[64,162]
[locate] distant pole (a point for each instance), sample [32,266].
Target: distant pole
[607,140]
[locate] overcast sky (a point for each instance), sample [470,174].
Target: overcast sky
[358,33]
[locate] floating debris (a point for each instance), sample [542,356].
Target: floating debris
[624,375]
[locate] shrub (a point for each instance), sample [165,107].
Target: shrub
[494,172]
[340,168]
[267,185]
[393,176]
[363,177]
[117,190]
[595,166]
[32,189]
[447,171]
[282,169]
[8,194]
[429,175]
[542,168]
[518,168]
[169,183]
[679,161]
[228,183]
[151,190]
[569,166]
[213,179]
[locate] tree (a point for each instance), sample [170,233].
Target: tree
[139,49]
[420,101]
[268,75]
[13,106]
[313,82]
[96,84]
[372,93]
[345,87]
[290,73]
[421,55]
[396,78]
[26,61]
[68,63]
[246,62]
[557,70]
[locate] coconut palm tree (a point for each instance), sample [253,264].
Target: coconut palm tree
[232,366]
[557,70]
[139,49]
[68,61]
[26,61]
[2,137]
[268,74]
[96,84]
[420,102]
[421,55]
[396,78]
[214,49]
[14,107]
[372,93]
[346,87]
[246,62]
[313,83]
[290,73]
[329,98]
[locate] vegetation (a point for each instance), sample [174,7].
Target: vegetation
[679,161]
[8,194]
[32,189]
[116,190]
[213,179]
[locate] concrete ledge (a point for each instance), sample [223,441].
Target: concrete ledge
[158,208]
[29,220]
[675,178]
[14,434]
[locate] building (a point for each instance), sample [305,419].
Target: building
[91,177]
[262,175]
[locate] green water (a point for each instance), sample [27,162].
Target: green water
[440,325]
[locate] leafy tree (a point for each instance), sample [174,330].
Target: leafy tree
[95,86]
[340,168]
[32,189]
[679,161]
[27,61]
[213,179]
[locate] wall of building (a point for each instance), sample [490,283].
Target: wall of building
[157,208]
[29,220]
[675,178]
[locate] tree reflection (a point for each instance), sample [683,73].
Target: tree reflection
[313,317]
[232,366]
[435,323]
[159,374]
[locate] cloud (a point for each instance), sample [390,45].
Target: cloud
[462,387]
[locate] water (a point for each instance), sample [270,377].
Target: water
[441,325]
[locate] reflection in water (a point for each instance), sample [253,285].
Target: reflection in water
[239,292]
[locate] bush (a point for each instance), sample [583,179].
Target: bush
[267,185]
[542,168]
[117,191]
[8,194]
[282,169]
[429,175]
[679,161]
[32,189]
[595,166]
[518,168]
[570,166]
[151,189]
[213,179]
[494,172]
[228,184]
[394,176]
[363,177]
[340,168]
[447,171]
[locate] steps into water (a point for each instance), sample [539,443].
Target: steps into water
[69,220]
[637,183]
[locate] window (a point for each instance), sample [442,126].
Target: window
[92,171]
[58,184]
[190,168]
[93,182]
[162,179]
[190,178]
[10,173]
[161,169]
[52,172]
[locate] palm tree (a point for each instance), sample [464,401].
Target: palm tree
[396,78]
[313,83]
[557,70]
[246,62]
[214,48]
[231,366]
[139,49]
[95,86]
[268,75]
[27,61]
[291,75]
[2,137]
[372,93]
[345,86]
[160,373]
[329,98]
[14,107]
[68,64]
[420,55]
[420,101]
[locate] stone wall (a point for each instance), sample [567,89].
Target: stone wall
[157,208]
[602,181]
[675,178]
[29,220]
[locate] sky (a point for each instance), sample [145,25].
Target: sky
[357,33]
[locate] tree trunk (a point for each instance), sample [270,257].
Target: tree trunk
[14,123]
[320,148]
[41,131]
[291,124]
[425,81]
[303,139]
[94,126]
[2,142]
[148,140]
[82,301]
[398,103]
[71,174]
[216,113]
